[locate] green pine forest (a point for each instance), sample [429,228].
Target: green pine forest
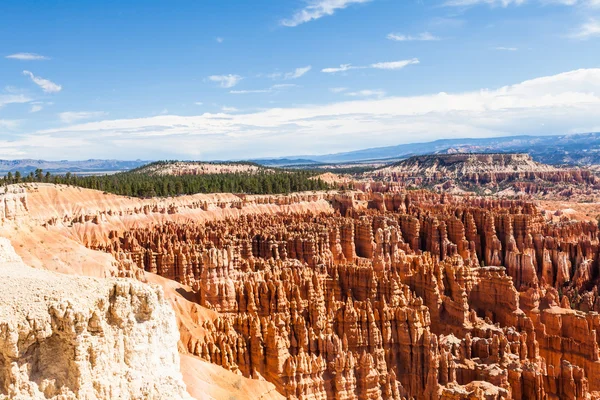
[138,184]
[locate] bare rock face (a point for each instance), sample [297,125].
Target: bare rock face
[503,174]
[355,295]
[397,295]
[13,203]
[65,337]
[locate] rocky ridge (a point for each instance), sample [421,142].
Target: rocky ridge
[179,168]
[500,174]
[64,337]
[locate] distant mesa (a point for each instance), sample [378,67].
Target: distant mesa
[180,168]
[503,174]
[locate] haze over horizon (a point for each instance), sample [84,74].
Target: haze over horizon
[275,79]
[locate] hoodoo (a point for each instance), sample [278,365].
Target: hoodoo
[322,295]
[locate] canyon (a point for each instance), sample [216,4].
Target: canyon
[508,175]
[339,294]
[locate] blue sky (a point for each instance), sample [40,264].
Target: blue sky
[237,79]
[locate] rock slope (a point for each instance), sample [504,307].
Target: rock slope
[351,295]
[500,174]
[65,337]
[408,295]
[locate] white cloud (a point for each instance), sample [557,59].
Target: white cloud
[36,107]
[297,73]
[367,93]
[587,30]
[395,64]
[198,103]
[229,109]
[341,68]
[284,86]
[272,89]
[506,3]
[425,36]
[9,123]
[13,98]
[70,117]
[584,3]
[220,40]
[501,48]
[317,9]
[380,65]
[46,85]
[338,89]
[226,81]
[567,102]
[250,91]
[492,3]
[27,57]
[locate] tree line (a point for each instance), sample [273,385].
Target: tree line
[145,185]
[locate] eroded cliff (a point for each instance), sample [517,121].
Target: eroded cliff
[66,337]
[353,295]
[410,295]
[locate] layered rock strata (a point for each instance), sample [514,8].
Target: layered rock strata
[501,174]
[403,295]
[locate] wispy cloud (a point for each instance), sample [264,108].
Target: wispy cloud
[226,81]
[27,57]
[13,98]
[70,117]
[46,85]
[220,40]
[380,65]
[272,89]
[492,3]
[506,3]
[425,36]
[317,9]
[395,64]
[341,68]
[587,30]
[367,93]
[502,48]
[337,89]
[584,3]
[250,91]
[568,102]
[229,109]
[198,103]
[9,123]
[36,106]
[297,73]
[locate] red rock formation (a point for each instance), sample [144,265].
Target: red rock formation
[398,295]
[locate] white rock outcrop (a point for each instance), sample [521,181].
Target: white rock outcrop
[70,337]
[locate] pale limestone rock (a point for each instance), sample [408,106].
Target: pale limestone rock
[66,337]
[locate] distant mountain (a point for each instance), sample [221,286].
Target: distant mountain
[284,162]
[64,166]
[575,149]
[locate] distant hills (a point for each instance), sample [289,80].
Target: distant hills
[77,167]
[574,149]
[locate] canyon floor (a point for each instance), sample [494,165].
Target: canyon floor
[368,294]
